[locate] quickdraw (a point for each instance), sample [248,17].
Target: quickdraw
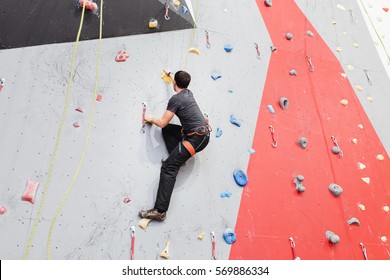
[132,229]
[311,66]
[364,251]
[274,142]
[143,117]
[213,257]
[166,11]
[258,51]
[368,78]
[208,45]
[292,244]
[337,145]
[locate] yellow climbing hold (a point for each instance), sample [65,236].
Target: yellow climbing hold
[350,67]
[176,3]
[166,77]
[359,87]
[354,140]
[370,99]
[153,23]
[361,165]
[200,235]
[383,239]
[344,102]
[339,49]
[193,50]
[362,207]
[386,208]
[165,253]
[143,223]
[380,157]
[341,7]
[366,180]
[360,126]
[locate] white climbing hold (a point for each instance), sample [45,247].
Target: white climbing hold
[339,49]
[359,87]
[333,22]
[309,33]
[380,157]
[165,253]
[366,180]
[143,223]
[356,45]
[344,102]
[354,140]
[343,75]
[200,235]
[289,36]
[360,126]
[350,67]
[370,99]
[383,239]
[386,208]
[341,7]
[361,165]
[268,3]
[293,72]
[362,207]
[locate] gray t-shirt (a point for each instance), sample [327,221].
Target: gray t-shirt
[183,104]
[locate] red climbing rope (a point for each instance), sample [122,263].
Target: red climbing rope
[132,242]
[213,245]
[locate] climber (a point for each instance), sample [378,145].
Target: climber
[182,142]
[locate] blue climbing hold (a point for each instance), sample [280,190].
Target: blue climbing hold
[183,9]
[216,76]
[219,132]
[240,177]
[234,121]
[251,151]
[271,109]
[228,48]
[225,194]
[229,236]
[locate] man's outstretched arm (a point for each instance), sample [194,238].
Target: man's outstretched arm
[161,122]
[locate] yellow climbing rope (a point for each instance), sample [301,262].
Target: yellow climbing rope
[68,190]
[192,35]
[59,132]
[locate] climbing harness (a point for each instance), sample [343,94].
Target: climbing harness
[311,66]
[258,51]
[292,244]
[213,245]
[368,78]
[337,145]
[132,229]
[364,251]
[166,11]
[208,45]
[143,117]
[274,142]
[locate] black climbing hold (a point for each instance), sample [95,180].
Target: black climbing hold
[268,3]
[332,237]
[303,142]
[283,102]
[335,189]
[289,36]
[273,48]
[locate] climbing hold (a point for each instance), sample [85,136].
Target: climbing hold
[126,200]
[3,210]
[336,150]
[359,87]
[79,110]
[200,235]
[383,239]
[121,56]
[76,124]
[89,5]
[350,67]
[334,22]
[99,97]
[229,236]
[143,223]
[366,180]
[380,157]
[386,9]
[335,189]
[215,75]
[235,121]
[273,48]
[289,36]
[303,142]
[370,99]
[293,72]
[356,45]
[339,49]
[353,221]
[230,90]
[176,3]
[386,208]
[153,23]
[30,191]
[219,132]
[240,177]
[309,33]
[361,165]
[354,140]
[341,7]
[298,183]
[362,207]
[226,194]
[268,3]
[228,48]
[165,253]
[360,126]
[2,82]
[332,237]
[251,151]
[344,102]
[283,102]
[183,9]
[271,109]
[166,76]
[343,75]
[195,51]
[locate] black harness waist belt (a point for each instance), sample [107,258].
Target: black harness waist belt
[200,130]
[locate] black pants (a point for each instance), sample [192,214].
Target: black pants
[178,155]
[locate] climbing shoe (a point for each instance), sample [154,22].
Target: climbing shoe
[153,214]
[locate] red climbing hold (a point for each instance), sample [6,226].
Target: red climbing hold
[99,97]
[79,110]
[126,200]
[3,210]
[89,5]
[30,191]
[121,56]
[386,9]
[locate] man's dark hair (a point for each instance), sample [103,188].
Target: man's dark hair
[182,79]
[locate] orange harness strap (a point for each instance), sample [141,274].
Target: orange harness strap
[189,147]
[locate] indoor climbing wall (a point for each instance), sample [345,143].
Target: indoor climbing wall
[282,84]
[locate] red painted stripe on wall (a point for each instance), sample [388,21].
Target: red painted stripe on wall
[271,210]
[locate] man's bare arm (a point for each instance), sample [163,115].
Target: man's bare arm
[161,122]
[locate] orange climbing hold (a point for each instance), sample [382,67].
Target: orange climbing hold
[30,191]
[121,56]
[89,5]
